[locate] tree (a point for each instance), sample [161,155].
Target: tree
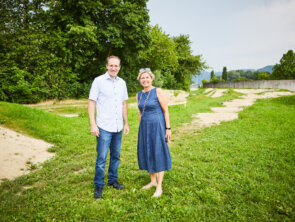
[286,68]
[224,73]
[212,74]
[233,75]
[189,64]
[263,76]
[94,30]
[216,79]
[161,53]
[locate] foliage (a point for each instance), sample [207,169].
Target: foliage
[263,76]
[189,64]
[241,170]
[59,47]
[212,74]
[173,57]
[224,74]
[161,53]
[204,81]
[242,78]
[63,44]
[241,75]
[216,79]
[286,68]
[159,79]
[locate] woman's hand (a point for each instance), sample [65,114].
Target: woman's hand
[168,135]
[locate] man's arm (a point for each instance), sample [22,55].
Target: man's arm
[91,113]
[125,118]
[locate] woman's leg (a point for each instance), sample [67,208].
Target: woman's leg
[153,182]
[160,177]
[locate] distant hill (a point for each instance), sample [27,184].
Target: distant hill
[266,69]
[197,79]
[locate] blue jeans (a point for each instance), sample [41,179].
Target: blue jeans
[105,141]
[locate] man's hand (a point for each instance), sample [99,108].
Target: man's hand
[94,130]
[126,129]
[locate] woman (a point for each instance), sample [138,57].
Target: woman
[154,131]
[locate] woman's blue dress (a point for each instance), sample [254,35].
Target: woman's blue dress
[152,149]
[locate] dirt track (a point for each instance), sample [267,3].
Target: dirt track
[232,108]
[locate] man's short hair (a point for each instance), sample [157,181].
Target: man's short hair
[113,57]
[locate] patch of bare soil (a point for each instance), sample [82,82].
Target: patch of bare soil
[59,102]
[176,97]
[18,153]
[215,92]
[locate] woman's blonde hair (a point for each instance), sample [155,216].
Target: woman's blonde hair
[146,71]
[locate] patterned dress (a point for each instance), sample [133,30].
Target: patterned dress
[152,149]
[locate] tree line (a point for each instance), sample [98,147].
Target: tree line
[284,70]
[53,49]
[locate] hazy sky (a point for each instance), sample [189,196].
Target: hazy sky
[233,33]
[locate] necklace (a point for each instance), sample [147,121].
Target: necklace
[146,99]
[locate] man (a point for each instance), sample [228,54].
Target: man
[109,94]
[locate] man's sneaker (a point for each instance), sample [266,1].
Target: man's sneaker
[116,185]
[98,192]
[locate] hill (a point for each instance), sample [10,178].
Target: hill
[266,69]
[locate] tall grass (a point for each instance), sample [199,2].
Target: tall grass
[241,170]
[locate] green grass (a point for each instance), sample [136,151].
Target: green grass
[241,170]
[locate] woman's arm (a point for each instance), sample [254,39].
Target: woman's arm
[164,105]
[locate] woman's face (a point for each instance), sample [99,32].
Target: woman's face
[145,80]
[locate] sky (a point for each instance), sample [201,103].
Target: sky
[237,34]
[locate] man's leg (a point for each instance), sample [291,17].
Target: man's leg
[115,148]
[102,147]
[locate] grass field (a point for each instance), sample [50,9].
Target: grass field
[241,170]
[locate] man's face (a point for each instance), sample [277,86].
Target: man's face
[113,67]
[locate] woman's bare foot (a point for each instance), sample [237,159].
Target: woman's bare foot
[148,186]
[158,192]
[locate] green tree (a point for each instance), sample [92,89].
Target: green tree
[233,75]
[161,54]
[286,68]
[224,73]
[242,78]
[216,79]
[212,74]
[189,64]
[263,76]
[94,30]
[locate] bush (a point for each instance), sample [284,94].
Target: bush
[216,79]
[263,76]
[16,86]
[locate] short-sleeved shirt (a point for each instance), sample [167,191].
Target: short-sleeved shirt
[109,96]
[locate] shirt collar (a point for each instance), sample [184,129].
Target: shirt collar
[108,76]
